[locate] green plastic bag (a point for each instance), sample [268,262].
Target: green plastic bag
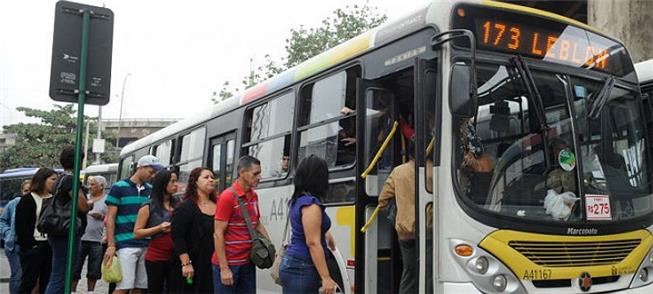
[112,274]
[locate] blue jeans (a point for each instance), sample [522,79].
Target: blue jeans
[14,264]
[299,275]
[244,280]
[59,258]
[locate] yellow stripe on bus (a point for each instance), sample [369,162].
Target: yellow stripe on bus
[346,216]
[334,56]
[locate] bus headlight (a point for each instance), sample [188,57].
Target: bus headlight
[499,283]
[487,273]
[481,264]
[643,273]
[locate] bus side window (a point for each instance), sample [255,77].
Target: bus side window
[268,135]
[229,169]
[327,122]
[126,167]
[192,147]
[164,152]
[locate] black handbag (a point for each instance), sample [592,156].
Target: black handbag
[55,215]
[262,252]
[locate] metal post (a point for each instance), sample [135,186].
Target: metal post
[86,135]
[122,97]
[86,19]
[99,133]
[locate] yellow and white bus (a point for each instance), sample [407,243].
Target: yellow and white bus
[541,170]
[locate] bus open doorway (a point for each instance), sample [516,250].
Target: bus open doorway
[389,123]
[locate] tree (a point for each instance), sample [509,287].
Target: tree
[304,43]
[39,144]
[343,25]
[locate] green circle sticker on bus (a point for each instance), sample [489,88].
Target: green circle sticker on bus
[567,159]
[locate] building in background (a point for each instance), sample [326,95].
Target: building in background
[132,129]
[6,141]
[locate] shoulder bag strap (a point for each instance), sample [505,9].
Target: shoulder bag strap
[243,209]
[285,229]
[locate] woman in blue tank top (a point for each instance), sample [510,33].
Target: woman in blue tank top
[304,267]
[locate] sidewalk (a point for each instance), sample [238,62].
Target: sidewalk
[5,273]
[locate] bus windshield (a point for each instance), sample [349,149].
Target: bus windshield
[519,163]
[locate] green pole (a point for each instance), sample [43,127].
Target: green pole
[78,145]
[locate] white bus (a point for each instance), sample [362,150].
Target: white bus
[538,105]
[108,170]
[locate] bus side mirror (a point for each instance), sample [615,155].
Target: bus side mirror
[462,94]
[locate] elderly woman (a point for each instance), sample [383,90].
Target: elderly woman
[91,244]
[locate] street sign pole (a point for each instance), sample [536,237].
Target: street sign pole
[80,72]
[78,144]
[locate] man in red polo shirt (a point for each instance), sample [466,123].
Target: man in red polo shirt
[232,270]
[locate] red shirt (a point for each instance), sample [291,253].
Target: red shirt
[236,237]
[160,248]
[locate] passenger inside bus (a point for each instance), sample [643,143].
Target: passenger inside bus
[282,171]
[476,164]
[346,137]
[398,195]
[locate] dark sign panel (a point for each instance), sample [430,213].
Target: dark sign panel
[66,53]
[545,39]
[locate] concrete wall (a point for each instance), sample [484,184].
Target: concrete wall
[631,21]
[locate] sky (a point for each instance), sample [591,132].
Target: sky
[170,56]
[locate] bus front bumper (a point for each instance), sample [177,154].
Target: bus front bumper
[641,290]
[468,288]
[462,288]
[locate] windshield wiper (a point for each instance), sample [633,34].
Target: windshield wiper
[527,78]
[602,98]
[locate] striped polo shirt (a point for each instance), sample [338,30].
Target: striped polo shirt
[237,240]
[128,197]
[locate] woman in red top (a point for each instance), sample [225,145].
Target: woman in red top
[154,221]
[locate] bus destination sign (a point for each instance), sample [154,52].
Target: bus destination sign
[528,40]
[541,38]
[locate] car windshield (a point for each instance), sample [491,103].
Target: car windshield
[519,163]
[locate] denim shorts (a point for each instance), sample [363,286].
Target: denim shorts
[299,275]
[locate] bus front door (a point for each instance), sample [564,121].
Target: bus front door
[221,159]
[374,247]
